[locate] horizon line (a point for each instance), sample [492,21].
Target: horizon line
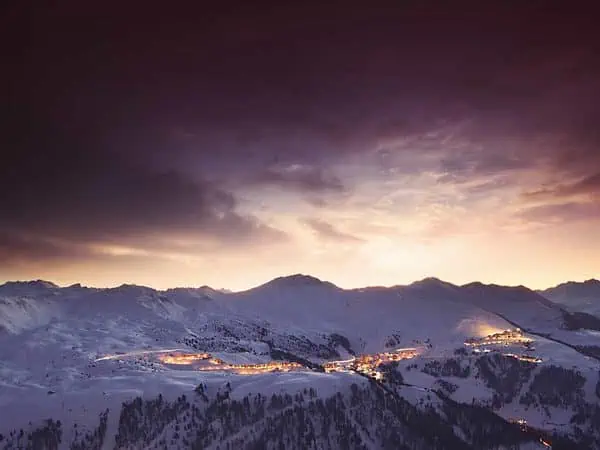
[226,290]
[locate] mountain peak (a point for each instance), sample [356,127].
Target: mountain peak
[431,283]
[579,296]
[32,284]
[431,287]
[298,280]
[489,287]
[132,289]
[574,290]
[591,283]
[27,287]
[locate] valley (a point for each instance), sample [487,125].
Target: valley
[205,362]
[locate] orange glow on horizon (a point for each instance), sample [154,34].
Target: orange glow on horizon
[537,260]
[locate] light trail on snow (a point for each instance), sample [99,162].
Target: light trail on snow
[135,353]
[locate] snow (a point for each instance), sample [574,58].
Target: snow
[96,348]
[584,297]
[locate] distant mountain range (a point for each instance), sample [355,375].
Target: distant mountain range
[288,297]
[368,316]
[564,293]
[301,278]
[584,296]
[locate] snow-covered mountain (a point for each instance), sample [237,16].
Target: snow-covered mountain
[71,353]
[584,296]
[517,304]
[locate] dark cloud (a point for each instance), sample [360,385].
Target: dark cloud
[15,248]
[466,166]
[589,185]
[29,250]
[485,187]
[561,212]
[307,179]
[64,190]
[338,76]
[327,231]
[317,202]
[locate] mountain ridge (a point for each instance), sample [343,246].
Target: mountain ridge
[576,296]
[295,278]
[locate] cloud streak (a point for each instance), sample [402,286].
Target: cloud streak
[326,231]
[303,178]
[562,212]
[589,185]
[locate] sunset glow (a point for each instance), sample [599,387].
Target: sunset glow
[353,157]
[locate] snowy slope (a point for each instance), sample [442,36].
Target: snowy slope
[367,317]
[294,313]
[518,304]
[52,339]
[584,297]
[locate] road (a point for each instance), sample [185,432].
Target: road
[136,353]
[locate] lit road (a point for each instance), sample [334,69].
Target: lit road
[135,353]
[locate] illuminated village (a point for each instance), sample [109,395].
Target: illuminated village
[526,358]
[368,364]
[183,358]
[506,338]
[205,362]
[253,369]
[186,359]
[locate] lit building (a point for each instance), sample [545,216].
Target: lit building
[506,338]
[183,358]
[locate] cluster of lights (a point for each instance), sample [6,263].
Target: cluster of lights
[183,358]
[521,422]
[523,425]
[518,421]
[506,337]
[216,361]
[526,358]
[250,369]
[368,364]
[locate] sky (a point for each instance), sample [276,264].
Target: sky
[371,144]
